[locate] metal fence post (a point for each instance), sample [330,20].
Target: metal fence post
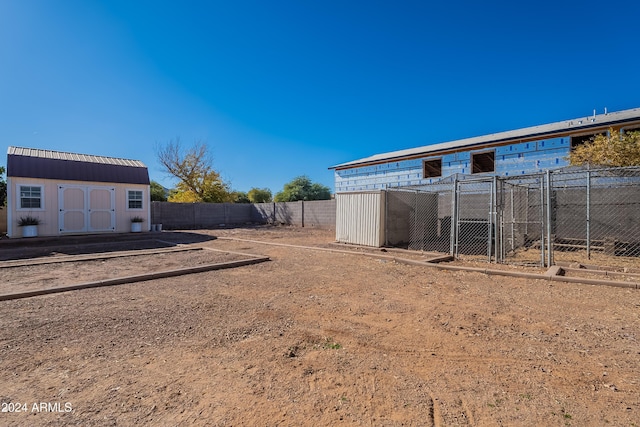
[415,221]
[549,242]
[526,214]
[274,213]
[490,225]
[499,198]
[453,244]
[386,216]
[513,219]
[588,214]
[542,216]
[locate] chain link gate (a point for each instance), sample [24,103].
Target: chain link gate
[523,220]
[433,208]
[475,219]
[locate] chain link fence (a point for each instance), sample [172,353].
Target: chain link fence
[571,215]
[474,218]
[595,215]
[420,219]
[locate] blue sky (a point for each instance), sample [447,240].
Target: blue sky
[280,89]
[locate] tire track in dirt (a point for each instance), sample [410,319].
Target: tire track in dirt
[451,412]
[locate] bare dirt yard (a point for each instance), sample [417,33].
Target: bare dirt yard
[314,338]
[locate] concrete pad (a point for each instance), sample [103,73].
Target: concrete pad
[555,270]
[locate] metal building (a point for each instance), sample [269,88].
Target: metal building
[512,153]
[495,195]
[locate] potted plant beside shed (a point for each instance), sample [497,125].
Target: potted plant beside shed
[136,224]
[29,225]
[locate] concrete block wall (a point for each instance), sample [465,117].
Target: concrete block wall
[263,213]
[289,213]
[173,216]
[199,215]
[209,214]
[320,213]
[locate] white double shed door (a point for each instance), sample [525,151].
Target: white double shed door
[85,208]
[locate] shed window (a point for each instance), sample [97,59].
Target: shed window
[432,168]
[30,197]
[134,199]
[483,162]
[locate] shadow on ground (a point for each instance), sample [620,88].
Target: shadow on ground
[80,245]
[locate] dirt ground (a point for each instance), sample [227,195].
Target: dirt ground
[318,338]
[23,277]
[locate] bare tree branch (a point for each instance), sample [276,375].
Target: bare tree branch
[193,167]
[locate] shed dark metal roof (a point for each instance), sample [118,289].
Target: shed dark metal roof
[48,164]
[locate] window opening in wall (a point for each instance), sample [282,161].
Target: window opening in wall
[134,199]
[30,197]
[432,168]
[582,139]
[483,162]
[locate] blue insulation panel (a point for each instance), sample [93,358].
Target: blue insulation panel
[463,156]
[510,160]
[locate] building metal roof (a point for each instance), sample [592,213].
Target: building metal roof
[49,164]
[541,131]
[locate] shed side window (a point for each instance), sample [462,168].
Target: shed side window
[483,162]
[30,197]
[432,168]
[134,199]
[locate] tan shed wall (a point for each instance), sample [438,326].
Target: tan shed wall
[49,214]
[124,215]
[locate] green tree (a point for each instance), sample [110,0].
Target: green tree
[3,188]
[259,195]
[198,181]
[211,190]
[614,149]
[158,192]
[301,188]
[239,197]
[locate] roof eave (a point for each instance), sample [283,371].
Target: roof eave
[433,150]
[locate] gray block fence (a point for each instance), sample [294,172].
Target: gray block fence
[180,216]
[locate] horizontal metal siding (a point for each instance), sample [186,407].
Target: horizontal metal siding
[360,218]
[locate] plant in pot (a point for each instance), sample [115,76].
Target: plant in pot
[136,224]
[29,225]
